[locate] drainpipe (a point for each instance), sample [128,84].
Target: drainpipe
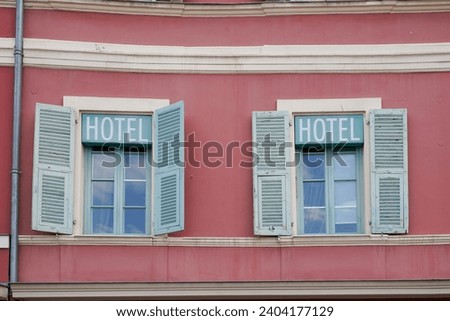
[15,172]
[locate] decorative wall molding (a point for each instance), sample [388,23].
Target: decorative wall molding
[392,58]
[6,51]
[3,293]
[406,289]
[263,8]
[235,242]
[4,241]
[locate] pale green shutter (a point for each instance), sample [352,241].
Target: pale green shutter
[52,209]
[169,169]
[271,180]
[389,162]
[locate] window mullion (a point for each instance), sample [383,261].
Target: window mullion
[119,191]
[359,191]
[299,183]
[329,188]
[148,213]
[88,192]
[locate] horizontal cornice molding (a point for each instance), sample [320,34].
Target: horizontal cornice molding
[235,290]
[378,58]
[4,241]
[3,293]
[297,241]
[264,8]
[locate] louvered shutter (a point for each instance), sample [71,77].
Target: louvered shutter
[389,162]
[271,180]
[169,169]
[52,209]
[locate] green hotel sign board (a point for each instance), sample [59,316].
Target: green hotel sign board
[329,130]
[123,129]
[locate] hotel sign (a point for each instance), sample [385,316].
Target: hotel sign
[123,129]
[329,130]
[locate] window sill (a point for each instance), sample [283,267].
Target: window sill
[295,241]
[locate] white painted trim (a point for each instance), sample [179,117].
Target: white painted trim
[235,242]
[342,105]
[100,104]
[4,241]
[110,104]
[3,293]
[392,58]
[256,290]
[267,8]
[6,51]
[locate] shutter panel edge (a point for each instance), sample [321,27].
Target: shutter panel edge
[169,178]
[389,181]
[266,181]
[53,170]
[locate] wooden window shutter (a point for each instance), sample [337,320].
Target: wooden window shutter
[169,169]
[52,209]
[389,171]
[271,180]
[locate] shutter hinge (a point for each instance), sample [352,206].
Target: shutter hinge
[368,122]
[290,123]
[76,121]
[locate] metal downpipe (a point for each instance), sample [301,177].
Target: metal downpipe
[15,170]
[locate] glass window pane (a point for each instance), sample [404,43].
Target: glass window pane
[102,220]
[314,194]
[313,166]
[344,166]
[345,193]
[135,193]
[346,221]
[346,228]
[103,193]
[345,215]
[103,166]
[315,220]
[134,165]
[135,221]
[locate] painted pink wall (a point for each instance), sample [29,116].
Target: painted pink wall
[7,17]
[178,264]
[4,265]
[218,107]
[6,105]
[240,31]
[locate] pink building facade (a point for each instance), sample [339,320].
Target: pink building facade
[372,227]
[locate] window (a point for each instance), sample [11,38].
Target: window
[130,180]
[329,190]
[118,190]
[328,172]
[324,179]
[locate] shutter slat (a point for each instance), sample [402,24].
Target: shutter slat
[389,171]
[169,175]
[270,175]
[53,169]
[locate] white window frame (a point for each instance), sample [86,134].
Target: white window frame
[82,104]
[324,107]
